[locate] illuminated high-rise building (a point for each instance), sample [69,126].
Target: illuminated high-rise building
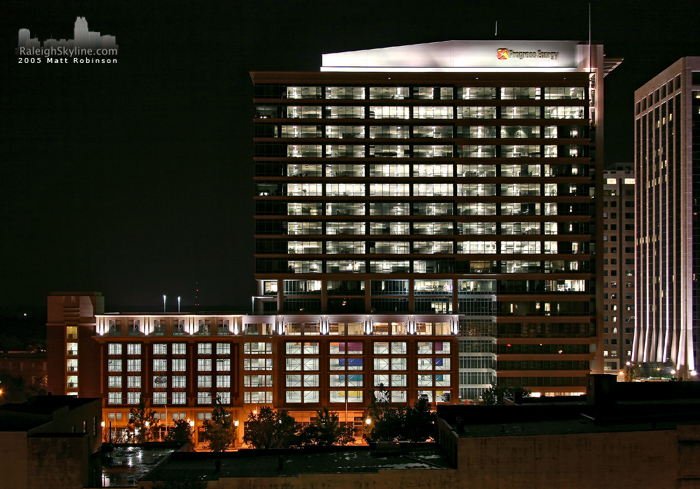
[667,167]
[618,267]
[451,177]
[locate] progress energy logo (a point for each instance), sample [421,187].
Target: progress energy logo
[502,53]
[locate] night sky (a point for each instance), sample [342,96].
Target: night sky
[136,179]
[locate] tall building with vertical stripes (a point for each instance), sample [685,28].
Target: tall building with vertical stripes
[667,168]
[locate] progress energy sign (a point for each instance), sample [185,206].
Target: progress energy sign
[463,56]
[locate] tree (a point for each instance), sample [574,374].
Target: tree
[219,431]
[271,429]
[496,395]
[326,430]
[17,389]
[420,422]
[386,422]
[416,424]
[181,433]
[143,424]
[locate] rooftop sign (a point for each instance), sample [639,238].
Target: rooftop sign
[501,55]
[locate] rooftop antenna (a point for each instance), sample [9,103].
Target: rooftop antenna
[590,47]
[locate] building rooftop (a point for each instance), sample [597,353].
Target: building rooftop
[37,411]
[290,463]
[628,406]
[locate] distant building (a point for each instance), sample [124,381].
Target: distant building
[27,365]
[618,264]
[667,171]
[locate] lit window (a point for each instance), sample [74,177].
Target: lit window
[114,365]
[178,397]
[204,397]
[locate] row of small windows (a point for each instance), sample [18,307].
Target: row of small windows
[418,92]
[442,208]
[295,131]
[436,189]
[406,170]
[379,347]
[381,287]
[543,365]
[419,151]
[176,364]
[421,266]
[175,348]
[178,381]
[436,228]
[395,396]
[428,247]
[445,112]
[178,398]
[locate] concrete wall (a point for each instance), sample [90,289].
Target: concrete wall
[384,479]
[639,459]
[13,459]
[57,462]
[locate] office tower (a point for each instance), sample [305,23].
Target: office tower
[618,264]
[452,177]
[81,33]
[667,168]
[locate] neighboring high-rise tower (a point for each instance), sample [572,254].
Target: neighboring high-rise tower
[667,168]
[618,264]
[456,176]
